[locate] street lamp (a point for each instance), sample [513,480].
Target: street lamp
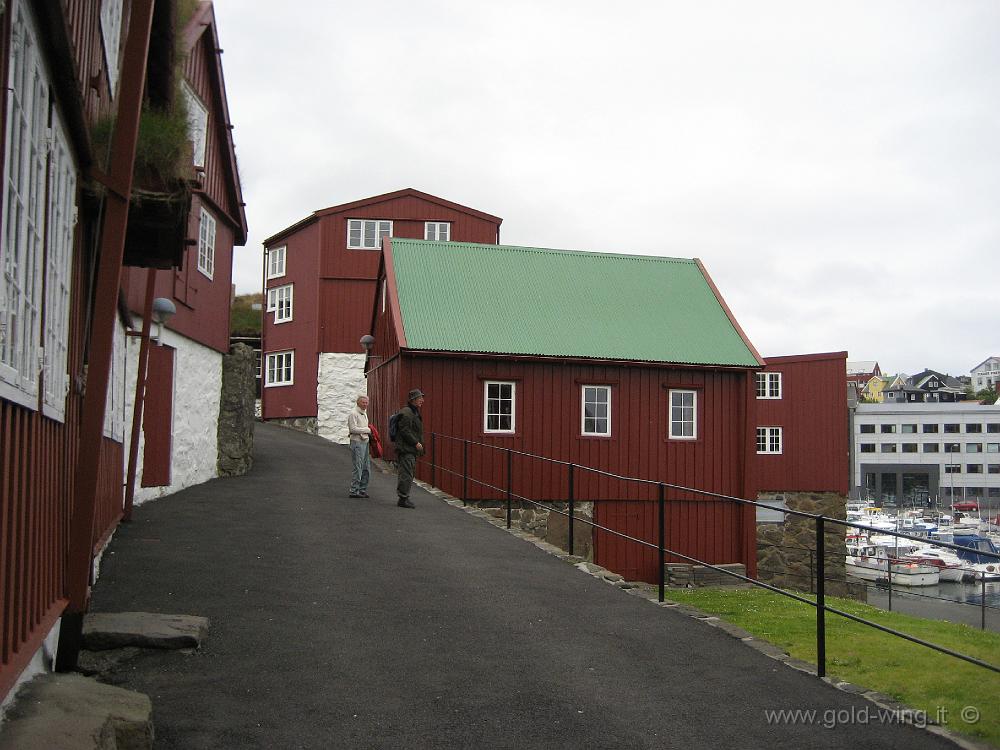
[163,310]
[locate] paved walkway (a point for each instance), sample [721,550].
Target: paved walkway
[339,623]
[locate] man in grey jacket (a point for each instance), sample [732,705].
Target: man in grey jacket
[360,432]
[409,444]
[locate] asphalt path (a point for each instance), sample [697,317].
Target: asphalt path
[351,623]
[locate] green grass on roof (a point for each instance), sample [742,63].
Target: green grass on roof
[520,300]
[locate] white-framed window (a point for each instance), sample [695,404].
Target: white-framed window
[276,262]
[367,234]
[111,33]
[114,405]
[197,114]
[61,222]
[683,415]
[498,407]
[35,142]
[437,230]
[769,385]
[769,440]
[595,412]
[279,301]
[206,244]
[280,369]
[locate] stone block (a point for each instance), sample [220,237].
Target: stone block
[557,533]
[106,630]
[71,712]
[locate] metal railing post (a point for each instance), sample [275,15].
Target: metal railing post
[510,477]
[661,507]
[982,601]
[433,459]
[820,599]
[570,540]
[812,573]
[465,472]
[888,569]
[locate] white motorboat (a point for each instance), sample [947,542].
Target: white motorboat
[870,562]
[950,566]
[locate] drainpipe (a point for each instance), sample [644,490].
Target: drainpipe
[140,392]
[80,560]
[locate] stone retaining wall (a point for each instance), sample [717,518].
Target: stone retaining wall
[784,556]
[236,412]
[552,527]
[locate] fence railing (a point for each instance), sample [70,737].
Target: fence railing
[505,458]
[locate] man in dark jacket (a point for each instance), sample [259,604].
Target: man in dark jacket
[409,444]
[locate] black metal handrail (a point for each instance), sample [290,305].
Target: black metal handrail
[820,521]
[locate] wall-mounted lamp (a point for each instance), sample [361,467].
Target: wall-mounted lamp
[367,342]
[163,310]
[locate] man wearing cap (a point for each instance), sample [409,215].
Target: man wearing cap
[409,444]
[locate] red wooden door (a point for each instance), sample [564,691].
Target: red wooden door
[158,417]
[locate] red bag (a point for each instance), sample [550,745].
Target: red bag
[375,443]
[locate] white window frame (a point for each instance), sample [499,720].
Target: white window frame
[439,231]
[384,290]
[279,362]
[197,114]
[276,262]
[595,389]
[382,228]
[111,33]
[676,434]
[206,244]
[487,413]
[769,385]
[279,301]
[773,440]
[35,141]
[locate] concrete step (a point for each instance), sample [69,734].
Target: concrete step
[70,712]
[107,630]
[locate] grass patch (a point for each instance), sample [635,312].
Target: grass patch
[912,674]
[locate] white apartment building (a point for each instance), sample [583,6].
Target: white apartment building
[918,451]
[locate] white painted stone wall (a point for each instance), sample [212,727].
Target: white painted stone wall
[341,378]
[196,397]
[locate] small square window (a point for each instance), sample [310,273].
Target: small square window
[769,385]
[683,415]
[276,262]
[596,410]
[280,369]
[498,411]
[437,230]
[769,440]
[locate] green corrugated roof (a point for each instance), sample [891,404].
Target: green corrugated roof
[465,297]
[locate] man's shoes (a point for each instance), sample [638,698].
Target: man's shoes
[363,494]
[356,494]
[404,502]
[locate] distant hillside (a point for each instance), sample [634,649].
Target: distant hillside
[245,321]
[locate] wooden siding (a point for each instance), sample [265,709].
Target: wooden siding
[299,334]
[547,422]
[83,19]
[812,413]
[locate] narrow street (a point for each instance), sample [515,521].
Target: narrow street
[349,623]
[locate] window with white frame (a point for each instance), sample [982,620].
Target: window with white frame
[197,114]
[596,410]
[498,411]
[36,145]
[279,301]
[280,369]
[366,234]
[114,405]
[769,440]
[437,230]
[683,415]
[111,32]
[383,294]
[769,385]
[276,262]
[206,244]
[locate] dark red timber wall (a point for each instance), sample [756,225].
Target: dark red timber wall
[547,422]
[157,418]
[812,413]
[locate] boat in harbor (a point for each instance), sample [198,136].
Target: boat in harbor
[981,555]
[951,568]
[871,562]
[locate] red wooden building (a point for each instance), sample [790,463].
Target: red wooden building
[320,283]
[631,364]
[71,69]
[803,440]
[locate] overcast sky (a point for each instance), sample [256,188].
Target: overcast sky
[836,165]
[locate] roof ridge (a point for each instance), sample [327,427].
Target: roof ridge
[396,241]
